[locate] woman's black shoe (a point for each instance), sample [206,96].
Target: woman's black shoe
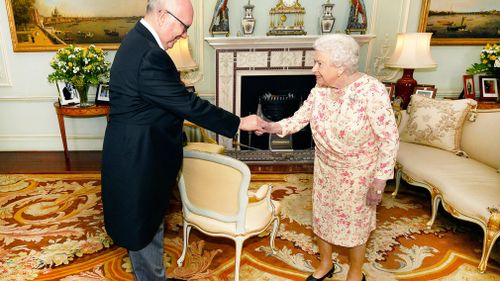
[329,274]
[364,277]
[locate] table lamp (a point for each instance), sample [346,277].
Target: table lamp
[182,58]
[412,51]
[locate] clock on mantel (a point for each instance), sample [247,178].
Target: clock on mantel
[287,18]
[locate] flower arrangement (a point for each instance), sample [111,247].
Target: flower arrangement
[490,61]
[80,66]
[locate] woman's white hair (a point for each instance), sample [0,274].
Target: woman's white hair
[342,49]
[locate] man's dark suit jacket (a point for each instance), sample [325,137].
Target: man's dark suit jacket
[142,151]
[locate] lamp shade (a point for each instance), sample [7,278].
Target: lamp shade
[412,51]
[181,55]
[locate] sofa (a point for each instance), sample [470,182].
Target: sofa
[463,172]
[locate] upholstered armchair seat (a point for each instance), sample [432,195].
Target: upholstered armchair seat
[216,201]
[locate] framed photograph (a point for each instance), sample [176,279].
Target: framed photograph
[460,22]
[390,88]
[102,94]
[488,88]
[469,90]
[43,26]
[67,93]
[429,92]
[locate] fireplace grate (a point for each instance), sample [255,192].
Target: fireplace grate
[295,156]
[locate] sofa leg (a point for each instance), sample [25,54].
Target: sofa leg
[491,234]
[398,181]
[435,199]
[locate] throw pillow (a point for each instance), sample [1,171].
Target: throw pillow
[436,123]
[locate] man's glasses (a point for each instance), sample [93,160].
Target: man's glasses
[183,24]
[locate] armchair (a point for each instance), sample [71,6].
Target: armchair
[217,202]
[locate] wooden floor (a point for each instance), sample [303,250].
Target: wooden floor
[90,162]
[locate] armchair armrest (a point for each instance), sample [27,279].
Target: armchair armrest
[261,193]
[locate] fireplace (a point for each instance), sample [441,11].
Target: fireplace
[274,97]
[266,58]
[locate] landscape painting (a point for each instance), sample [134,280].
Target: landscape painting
[43,25]
[461,22]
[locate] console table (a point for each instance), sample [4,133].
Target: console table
[76,111]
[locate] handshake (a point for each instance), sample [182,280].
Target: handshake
[258,125]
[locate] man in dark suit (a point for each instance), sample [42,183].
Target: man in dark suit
[142,151]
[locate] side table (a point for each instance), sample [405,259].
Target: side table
[76,111]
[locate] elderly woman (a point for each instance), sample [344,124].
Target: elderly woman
[356,139]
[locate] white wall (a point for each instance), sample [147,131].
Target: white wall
[28,120]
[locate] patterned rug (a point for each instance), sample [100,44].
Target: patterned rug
[51,228]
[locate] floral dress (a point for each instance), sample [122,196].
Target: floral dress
[356,139]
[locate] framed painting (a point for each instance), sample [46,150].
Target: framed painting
[46,25]
[488,88]
[461,22]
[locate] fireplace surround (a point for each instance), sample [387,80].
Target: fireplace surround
[238,58]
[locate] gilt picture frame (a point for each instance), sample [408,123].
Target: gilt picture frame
[45,25]
[460,22]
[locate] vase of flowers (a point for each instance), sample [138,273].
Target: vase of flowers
[81,67]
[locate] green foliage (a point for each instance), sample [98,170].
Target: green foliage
[79,66]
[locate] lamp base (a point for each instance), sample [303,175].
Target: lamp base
[405,87]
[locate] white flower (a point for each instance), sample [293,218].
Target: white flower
[497,62]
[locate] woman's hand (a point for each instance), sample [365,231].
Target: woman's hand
[375,192]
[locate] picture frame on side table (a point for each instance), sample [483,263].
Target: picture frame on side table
[469,89]
[488,88]
[391,90]
[102,94]
[460,22]
[429,92]
[68,94]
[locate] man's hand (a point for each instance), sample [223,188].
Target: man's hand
[252,123]
[375,192]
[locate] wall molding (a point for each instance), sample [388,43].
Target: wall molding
[28,99]
[49,142]
[4,73]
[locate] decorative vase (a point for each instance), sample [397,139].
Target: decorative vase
[83,90]
[327,20]
[248,21]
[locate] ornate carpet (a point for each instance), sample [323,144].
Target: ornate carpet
[51,228]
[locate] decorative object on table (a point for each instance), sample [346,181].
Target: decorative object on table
[469,89]
[429,92]
[357,22]
[412,51]
[489,61]
[80,67]
[102,94]
[67,93]
[489,64]
[248,21]
[287,18]
[184,62]
[327,20]
[390,88]
[459,22]
[488,88]
[220,19]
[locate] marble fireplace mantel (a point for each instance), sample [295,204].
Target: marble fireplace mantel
[257,42]
[254,56]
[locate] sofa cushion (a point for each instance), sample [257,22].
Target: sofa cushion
[436,123]
[468,185]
